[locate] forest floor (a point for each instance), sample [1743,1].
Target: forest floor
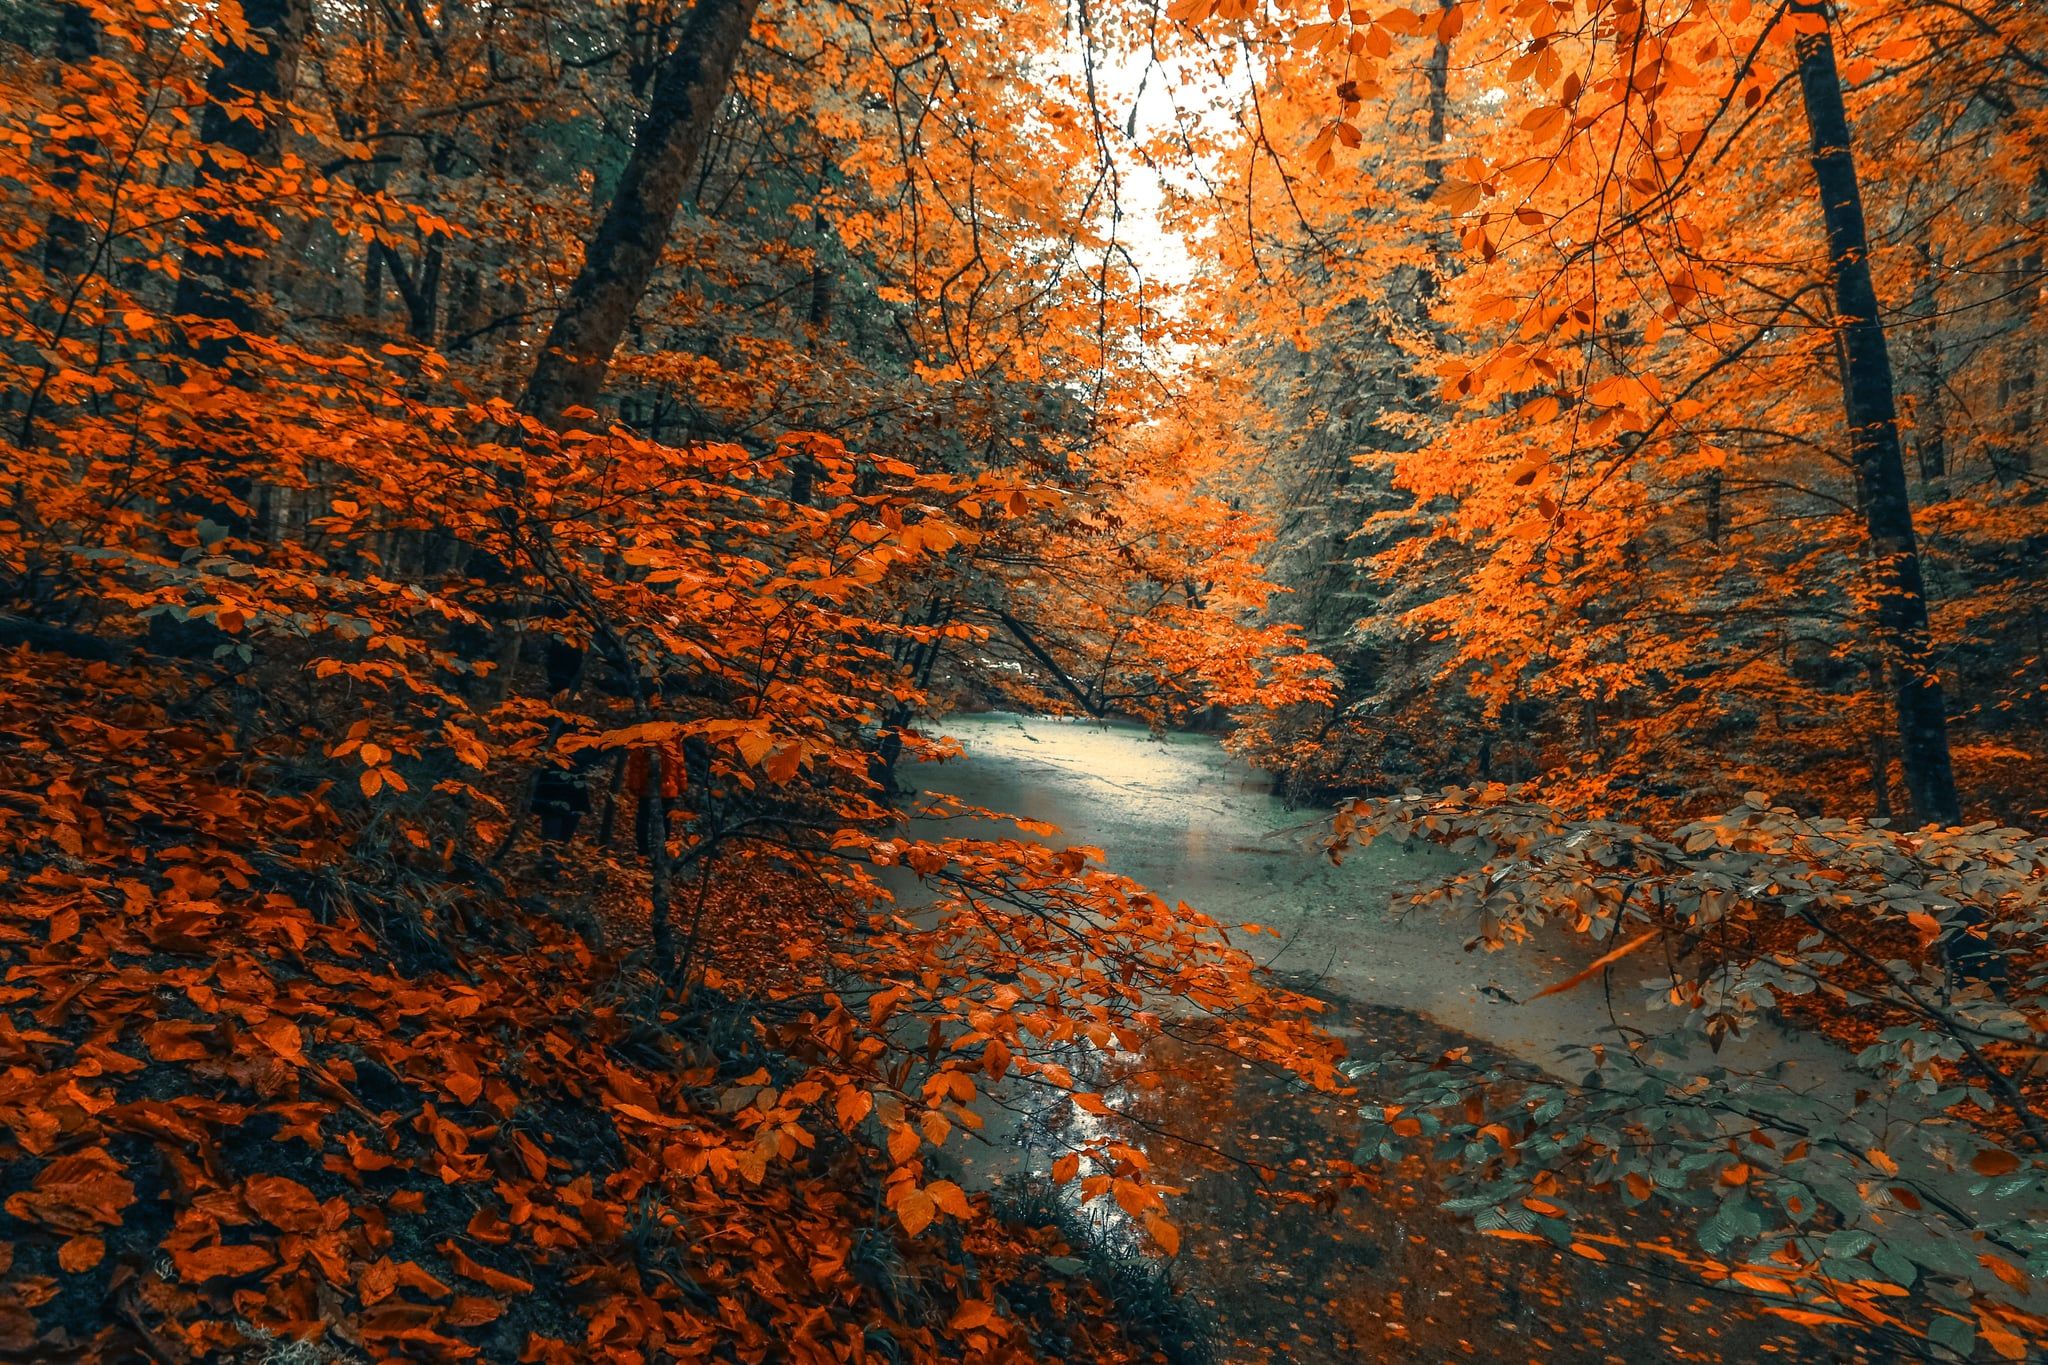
[1391,1277]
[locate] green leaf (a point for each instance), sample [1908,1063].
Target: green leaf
[1957,1334]
[1893,1266]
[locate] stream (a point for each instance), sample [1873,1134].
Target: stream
[1373,1274]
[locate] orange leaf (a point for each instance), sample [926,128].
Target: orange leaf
[1594,968]
[2005,1270]
[950,1198]
[469,1310]
[1925,926]
[854,1105]
[81,1253]
[206,1263]
[915,1208]
[176,1040]
[782,764]
[1991,1161]
[484,1275]
[283,1203]
[2000,1338]
[282,1036]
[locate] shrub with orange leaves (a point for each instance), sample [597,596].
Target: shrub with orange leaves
[442,889]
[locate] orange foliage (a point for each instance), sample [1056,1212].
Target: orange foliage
[306,630]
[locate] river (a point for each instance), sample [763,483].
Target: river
[1373,1274]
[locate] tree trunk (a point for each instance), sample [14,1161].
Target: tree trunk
[1870,405]
[1438,73]
[1880,754]
[221,277]
[2013,458]
[218,283]
[66,248]
[619,263]
[1932,434]
[621,258]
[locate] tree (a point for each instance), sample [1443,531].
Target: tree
[297,863]
[1634,554]
[620,259]
[1867,394]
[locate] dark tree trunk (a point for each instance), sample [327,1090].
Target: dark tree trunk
[420,292]
[66,248]
[619,263]
[222,274]
[621,257]
[1870,405]
[1880,755]
[822,290]
[661,916]
[1439,75]
[220,277]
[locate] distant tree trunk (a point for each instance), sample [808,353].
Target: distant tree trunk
[661,916]
[620,259]
[420,292]
[1417,287]
[803,470]
[219,278]
[1932,424]
[619,263]
[1880,754]
[820,317]
[65,245]
[1429,279]
[1439,75]
[2018,387]
[1870,405]
[2037,700]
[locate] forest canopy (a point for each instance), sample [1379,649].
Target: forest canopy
[498,501]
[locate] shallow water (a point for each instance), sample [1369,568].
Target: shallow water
[1193,823]
[1297,1270]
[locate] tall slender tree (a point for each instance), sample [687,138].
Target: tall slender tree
[1870,405]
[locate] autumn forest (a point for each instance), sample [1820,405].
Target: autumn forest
[1023,680]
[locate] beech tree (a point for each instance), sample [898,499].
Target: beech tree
[494,493]
[1637,551]
[1875,449]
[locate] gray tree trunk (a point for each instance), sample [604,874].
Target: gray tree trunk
[621,257]
[1870,404]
